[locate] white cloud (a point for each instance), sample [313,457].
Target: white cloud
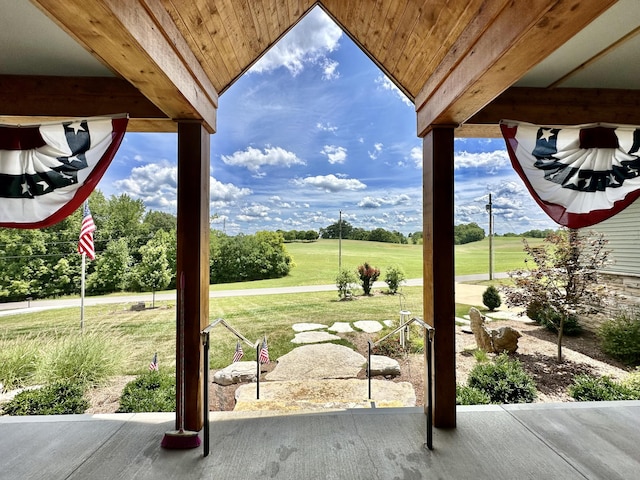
[330,183]
[386,84]
[490,161]
[334,153]
[326,127]
[416,156]
[155,184]
[253,158]
[377,148]
[254,213]
[226,192]
[308,43]
[377,202]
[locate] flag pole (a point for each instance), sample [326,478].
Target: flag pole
[84,255]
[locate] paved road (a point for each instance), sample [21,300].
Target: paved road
[39,305]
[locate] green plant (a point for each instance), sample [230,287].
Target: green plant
[587,388]
[89,358]
[534,310]
[346,283]
[550,319]
[18,361]
[491,298]
[632,381]
[466,395]
[620,337]
[480,355]
[394,278]
[504,380]
[59,398]
[150,392]
[368,275]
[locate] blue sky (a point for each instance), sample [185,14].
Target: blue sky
[315,128]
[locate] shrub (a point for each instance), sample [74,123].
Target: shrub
[633,381]
[550,319]
[59,398]
[18,362]
[620,338]
[491,298]
[466,395]
[534,310]
[504,380]
[587,388]
[346,283]
[90,358]
[368,275]
[394,278]
[150,392]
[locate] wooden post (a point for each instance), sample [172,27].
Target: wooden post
[193,261]
[438,268]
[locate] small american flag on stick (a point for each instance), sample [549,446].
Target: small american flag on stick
[153,366]
[238,353]
[264,352]
[85,242]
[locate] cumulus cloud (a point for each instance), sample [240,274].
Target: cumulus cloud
[416,156]
[377,148]
[308,43]
[226,192]
[377,202]
[330,183]
[386,84]
[334,153]
[490,161]
[253,158]
[254,213]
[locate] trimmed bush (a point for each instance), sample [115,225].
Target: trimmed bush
[466,395]
[150,392]
[620,338]
[504,380]
[534,310]
[58,398]
[491,298]
[587,388]
[394,278]
[550,319]
[368,275]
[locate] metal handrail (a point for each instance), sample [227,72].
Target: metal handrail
[430,332]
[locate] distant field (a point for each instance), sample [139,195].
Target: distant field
[317,262]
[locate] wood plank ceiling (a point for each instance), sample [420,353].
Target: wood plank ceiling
[452,58]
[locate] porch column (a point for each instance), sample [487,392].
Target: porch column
[193,264]
[438,268]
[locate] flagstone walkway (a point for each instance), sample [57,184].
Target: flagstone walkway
[320,376]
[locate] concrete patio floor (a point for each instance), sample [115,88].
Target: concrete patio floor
[537,441]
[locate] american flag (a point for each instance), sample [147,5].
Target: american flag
[85,243]
[153,366]
[264,352]
[239,353]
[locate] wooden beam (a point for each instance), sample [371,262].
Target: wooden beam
[193,264]
[49,96]
[138,40]
[522,34]
[561,106]
[438,268]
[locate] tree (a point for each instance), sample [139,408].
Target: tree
[111,270]
[153,270]
[562,274]
[336,231]
[368,275]
[394,277]
[467,233]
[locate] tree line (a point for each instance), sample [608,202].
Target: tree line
[135,251]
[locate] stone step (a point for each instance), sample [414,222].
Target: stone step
[324,394]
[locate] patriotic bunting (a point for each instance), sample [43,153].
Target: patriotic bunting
[579,175]
[47,171]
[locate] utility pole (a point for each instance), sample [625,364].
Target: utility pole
[490,210]
[340,243]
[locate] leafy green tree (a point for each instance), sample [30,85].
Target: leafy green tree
[112,269]
[467,233]
[346,283]
[394,277]
[153,270]
[337,230]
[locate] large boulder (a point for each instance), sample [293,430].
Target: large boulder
[480,331]
[504,339]
[238,372]
[381,365]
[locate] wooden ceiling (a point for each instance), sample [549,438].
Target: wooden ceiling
[456,59]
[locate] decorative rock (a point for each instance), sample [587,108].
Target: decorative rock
[305,327]
[381,365]
[314,337]
[388,323]
[369,326]
[318,362]
[138,306]
[237,372]
[323,394]
[341,327]
[504,339]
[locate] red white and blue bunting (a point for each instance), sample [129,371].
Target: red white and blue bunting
[579,175]
[47,171]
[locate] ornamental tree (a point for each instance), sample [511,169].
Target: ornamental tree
[368,275]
